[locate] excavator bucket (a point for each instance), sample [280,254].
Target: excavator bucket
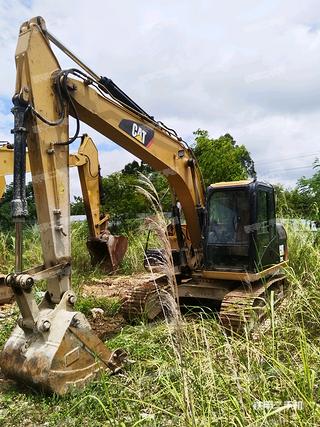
[107,252]
[58,355]
[6,294]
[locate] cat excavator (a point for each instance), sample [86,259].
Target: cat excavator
[229,250]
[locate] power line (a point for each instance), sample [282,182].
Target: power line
[288,169]
[286,158]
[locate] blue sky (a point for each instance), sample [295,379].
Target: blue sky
[247,68]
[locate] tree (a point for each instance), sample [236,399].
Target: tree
[5,207]
[289,203]
[77,206]
[158,180]
[134,168]
[222,159]
[122,199]
[303,201]
[123,202]
[309,194]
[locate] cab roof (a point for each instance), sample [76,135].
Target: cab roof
[243,182]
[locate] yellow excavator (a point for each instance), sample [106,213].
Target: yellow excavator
[105,249]
[230,249]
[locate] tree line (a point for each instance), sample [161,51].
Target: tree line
[220,159]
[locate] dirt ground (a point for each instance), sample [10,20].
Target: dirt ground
[114,287]
[117,286]
[105,326]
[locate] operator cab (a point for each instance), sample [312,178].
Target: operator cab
[241,233]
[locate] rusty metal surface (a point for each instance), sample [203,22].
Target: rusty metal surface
[60,360]
[197,287]
[107,251]
[59,353]
[6,294]
[247,304]
[144,299]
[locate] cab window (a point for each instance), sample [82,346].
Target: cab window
[228,217]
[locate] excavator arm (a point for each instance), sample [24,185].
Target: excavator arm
[87,162]
[53,346]
[148,142]
[105,249]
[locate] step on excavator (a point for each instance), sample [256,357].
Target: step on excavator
[229,250]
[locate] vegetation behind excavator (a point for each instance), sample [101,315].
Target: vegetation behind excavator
[229,250]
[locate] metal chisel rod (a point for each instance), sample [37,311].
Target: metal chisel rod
[19,202]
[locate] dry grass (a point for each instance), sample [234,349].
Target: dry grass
[187,371]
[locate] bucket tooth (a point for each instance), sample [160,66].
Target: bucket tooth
[68,355]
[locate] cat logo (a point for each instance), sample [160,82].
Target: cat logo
[138,131]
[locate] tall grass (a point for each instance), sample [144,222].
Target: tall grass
[32,251]
[169,299]
[265,377]
[187,371]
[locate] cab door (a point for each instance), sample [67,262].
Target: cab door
[265,242]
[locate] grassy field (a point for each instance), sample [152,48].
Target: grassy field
[189,372]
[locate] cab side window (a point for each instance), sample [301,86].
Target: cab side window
[262,212]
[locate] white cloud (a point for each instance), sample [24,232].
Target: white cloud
[111,161]
[248,68]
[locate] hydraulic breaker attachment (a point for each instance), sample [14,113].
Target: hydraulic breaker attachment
[52,347]
[59,352]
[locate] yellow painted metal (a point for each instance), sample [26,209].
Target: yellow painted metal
[84,157]
[163,154]
[6,166]
[87,162]
[232,183]
[48,164]
[52,347]
[242,277]
[2,186]
[6,161]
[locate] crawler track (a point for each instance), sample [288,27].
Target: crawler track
[247,304]
[145,299]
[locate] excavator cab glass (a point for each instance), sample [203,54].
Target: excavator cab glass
[241,232]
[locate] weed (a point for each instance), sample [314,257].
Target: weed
[202,376]
[110,306]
